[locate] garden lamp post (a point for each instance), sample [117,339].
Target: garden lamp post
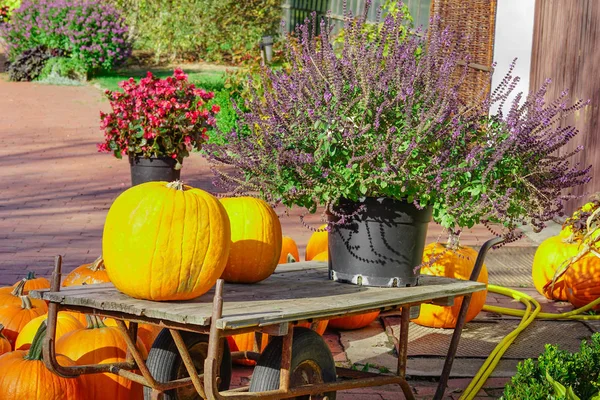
[266,47]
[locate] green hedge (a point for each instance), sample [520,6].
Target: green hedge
[208,30]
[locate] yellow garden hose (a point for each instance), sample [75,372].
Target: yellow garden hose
[527,317]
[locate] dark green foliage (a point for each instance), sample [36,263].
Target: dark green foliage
[580,371]
[208,30]
[29,65]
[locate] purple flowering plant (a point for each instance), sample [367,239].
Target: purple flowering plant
[382,117]
[92,31]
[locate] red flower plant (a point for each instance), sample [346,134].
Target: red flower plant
[157,117]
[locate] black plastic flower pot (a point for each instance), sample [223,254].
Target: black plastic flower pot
[153,169]
[380,244]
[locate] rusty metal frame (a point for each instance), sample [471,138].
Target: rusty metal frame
[207,384]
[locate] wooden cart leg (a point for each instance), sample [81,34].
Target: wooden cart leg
[403,352]
[157,395]
[286,359]
[211,384]
[462,316]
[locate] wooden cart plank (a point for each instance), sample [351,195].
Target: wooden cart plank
[299,291]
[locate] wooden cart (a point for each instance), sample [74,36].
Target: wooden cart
[191,354]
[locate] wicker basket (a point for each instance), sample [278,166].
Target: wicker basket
[476,21]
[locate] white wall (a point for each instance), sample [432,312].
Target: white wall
[514,33]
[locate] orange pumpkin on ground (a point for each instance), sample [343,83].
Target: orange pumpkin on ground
[317,243]
[552,253]
[87,274]
[65,323]
[582,281]
[147,333]
[33,283]
[5,346]
[289,251]
[15,316]
[23,375]
[323,256]
[100,344]
[255,240]
[455,262]
[245,341]
[166,241]
[354,322]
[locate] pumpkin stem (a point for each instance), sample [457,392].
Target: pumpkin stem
[177,185]
[35,351]
[26,302]
[1,328]
[453,241]
[291,259]
[20,288]
[94,322]
[30,275]
[97,265]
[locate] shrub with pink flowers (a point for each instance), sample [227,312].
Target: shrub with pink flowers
[157,117]
[91,31]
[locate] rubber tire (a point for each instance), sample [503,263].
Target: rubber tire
[307,345]
[164,361]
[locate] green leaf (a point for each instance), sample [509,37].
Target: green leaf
[363,189]
[559,389]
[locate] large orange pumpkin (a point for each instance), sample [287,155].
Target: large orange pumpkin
[65,323]
[455,263]
[289,251]
[87,274]
[354,322]
[15,316]
[23,375]
[165,241]
[5,346]
[33,283]
[100,344]
[255,240]
[552,254]
[318,243]
[582,281]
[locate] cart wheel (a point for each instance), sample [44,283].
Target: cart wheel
[312,362]
[165,363]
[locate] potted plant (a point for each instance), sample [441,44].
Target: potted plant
[374,132]
[156,123]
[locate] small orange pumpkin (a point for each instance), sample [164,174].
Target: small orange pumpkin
[354,322]
[147,333]
[289,251]
[455,262]
[14,297]
[552,254]
[87,274]
[245,342]
[4,343]
[23,375]
[255,240]
[318,327]
[33,283]
[318,243]
[100,344]
[65,323]
[15,316]
[582,281]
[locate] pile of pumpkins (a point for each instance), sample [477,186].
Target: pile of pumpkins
[566,267]
[168,241]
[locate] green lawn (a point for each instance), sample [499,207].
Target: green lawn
[210,80]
